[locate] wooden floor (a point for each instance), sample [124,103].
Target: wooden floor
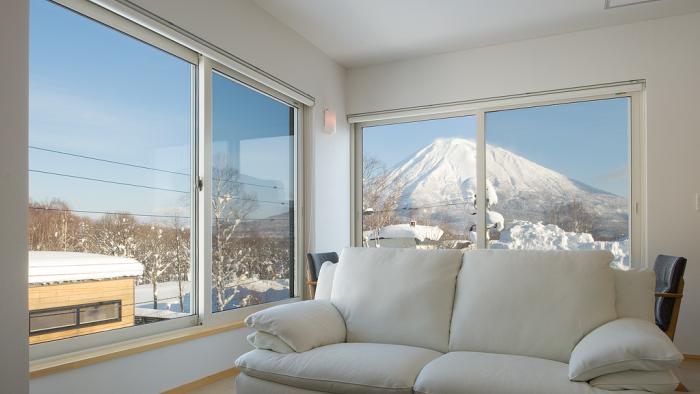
[688,373]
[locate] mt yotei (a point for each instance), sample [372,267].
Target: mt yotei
[440,179]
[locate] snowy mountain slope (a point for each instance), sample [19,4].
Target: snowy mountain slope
[444,173]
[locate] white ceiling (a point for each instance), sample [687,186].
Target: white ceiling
[361,32]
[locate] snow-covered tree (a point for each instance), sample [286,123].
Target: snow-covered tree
[381,194]
[231,205]
[154,257]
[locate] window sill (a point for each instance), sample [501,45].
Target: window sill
[66,362]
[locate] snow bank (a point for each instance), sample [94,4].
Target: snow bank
[527,235]
[56,267]
[405,230]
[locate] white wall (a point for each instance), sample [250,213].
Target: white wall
[13,196]
[150,372]
[665,52]
[245,30]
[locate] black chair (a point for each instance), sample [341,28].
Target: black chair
[669,291]
[313,268]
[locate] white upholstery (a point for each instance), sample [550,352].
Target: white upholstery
[263,340]
[622,345]
[301,325]
[487,373]
[519,318]
[342,368]
[531,303]
[248,385]
[656,382]
[397,296]
[634,294]
[325,281]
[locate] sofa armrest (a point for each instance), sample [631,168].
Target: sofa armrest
[300,325]
[622,345]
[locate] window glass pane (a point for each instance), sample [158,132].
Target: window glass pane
[419,184]
[110,129]
[53,319]
[99,312]
[252,196]
[558,177]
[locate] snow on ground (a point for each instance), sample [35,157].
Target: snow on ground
[169,301]
[168,293]
[57,267]
[406,230]
[522,234]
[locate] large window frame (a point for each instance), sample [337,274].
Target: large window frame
[634,90]
[148,28]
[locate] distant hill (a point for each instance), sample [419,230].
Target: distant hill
[444,173]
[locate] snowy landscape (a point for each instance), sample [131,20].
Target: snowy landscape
[528,206]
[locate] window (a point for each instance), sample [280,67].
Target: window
[163,184]
[74,317]
[110,166]
[252,196]
[559,177]
[419,184]
[552,171]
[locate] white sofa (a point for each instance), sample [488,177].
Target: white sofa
[443,321]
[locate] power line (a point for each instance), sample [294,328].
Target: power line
[463,202]
[148,187]
[248,183]
[108,181]
[111,213]
[146,167]
[150,215]
[107,161]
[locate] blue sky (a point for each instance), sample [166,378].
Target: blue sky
[586,141]
[97,92]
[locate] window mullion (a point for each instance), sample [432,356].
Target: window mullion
[204,275]
[480,180]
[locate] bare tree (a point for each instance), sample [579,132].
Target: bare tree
[52,226]
[231,205]
[380,192]
[572,216]
[179,249]
[155,259]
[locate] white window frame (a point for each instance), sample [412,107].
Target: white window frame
[634,90]
[149,29]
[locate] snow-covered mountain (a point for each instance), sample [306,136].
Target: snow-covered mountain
[444,173]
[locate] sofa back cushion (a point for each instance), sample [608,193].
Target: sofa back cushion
[397,296]
[531,303]
[634,291]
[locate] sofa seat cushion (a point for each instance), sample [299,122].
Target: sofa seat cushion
[488,373]
[661,382]
[397,296]
[342,368]
[531,302]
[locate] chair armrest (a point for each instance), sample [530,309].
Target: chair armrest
[669,295]
[622,345]
[311,282]
[300,325]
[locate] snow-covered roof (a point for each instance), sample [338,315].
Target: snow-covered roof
[55,267]
[407,230]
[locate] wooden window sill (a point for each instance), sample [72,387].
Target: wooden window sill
[51,365]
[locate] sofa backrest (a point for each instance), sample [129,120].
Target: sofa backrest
[531,303]
[397,296]
[634,294]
